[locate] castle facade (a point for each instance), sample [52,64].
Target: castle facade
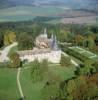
[45,49]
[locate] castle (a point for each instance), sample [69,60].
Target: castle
[45,48]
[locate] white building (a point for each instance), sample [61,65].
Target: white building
[45,49]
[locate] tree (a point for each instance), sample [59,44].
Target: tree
[15,60]
[88,68]
[36,73]
[65,61]
[91,43]
[9,37]
[39,69]
[79,39]
[96,65]
[62,36]
[1,40]
[81,88]
[62,91]
[51,90]
[25,41]
[71,89]
[44,66]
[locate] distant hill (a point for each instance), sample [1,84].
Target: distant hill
[21,10]
[22,13]
[73,4]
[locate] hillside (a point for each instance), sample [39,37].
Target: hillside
[24,13]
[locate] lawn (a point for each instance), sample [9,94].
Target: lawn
[64,72]
[33,91]
[8,85]
[8,82]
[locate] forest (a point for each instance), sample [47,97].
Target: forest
[77,34]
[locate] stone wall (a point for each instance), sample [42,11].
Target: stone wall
[53,57]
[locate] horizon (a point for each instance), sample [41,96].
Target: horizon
[68,3]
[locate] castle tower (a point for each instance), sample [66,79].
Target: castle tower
[45,33]
[52,36]
[54,43]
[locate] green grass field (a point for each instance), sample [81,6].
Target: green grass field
[8,83]
[33,91]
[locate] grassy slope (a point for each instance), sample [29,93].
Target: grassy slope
[64,72]
[8,85]
[33,91]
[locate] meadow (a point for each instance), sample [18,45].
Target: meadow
[8,84]
[32,91]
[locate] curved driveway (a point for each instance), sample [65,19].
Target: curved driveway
[5,51]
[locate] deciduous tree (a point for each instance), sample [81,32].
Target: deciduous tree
[15,60]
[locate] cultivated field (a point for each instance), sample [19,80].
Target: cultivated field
[24,13]
[80,20]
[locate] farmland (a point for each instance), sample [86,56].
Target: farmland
[80,20]
[25,13]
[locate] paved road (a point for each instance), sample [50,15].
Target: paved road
[4,53]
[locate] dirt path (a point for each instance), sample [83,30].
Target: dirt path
[19,85]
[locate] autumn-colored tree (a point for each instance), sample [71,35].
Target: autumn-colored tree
[15,60]
[79,39]
[71,90]
[9,37]
[81,88]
